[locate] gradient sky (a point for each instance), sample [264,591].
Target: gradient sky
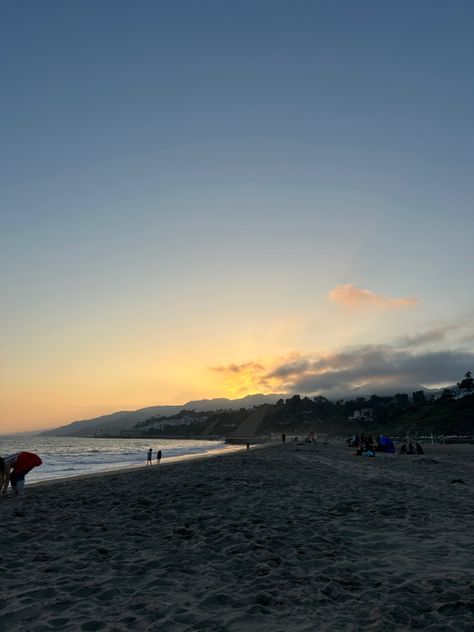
[204,199]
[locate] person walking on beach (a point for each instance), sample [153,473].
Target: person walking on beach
[148,458]
[14,468]
[158,457]
[283,438]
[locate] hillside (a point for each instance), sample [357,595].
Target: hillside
[115,423]
[450,416]
[393,415]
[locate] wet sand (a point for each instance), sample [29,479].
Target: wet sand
[295,537]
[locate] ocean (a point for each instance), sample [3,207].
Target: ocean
[71,456]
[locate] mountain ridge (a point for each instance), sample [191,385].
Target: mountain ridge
[114,423]
[124,420]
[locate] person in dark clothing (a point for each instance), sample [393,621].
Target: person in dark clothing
[283,438]
[158,457]
[14,468]
[419,449]
[149,455]
[411,448]
[403,449]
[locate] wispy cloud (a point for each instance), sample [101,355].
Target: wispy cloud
[351,296]
[433,335]
[235,369]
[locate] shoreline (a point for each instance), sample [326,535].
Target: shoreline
[166,461]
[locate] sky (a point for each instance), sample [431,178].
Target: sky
[217,198]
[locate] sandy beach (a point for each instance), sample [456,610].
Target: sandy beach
[294,537]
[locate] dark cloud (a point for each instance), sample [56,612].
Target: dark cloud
[379,365]
[291,368]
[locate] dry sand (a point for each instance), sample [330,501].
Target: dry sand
[294,537]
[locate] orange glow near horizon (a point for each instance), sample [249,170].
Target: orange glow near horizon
[76,372]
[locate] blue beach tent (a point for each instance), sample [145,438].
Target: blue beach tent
[386,444]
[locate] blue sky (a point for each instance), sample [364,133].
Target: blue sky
[181,178]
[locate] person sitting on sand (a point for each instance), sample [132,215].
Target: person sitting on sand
[411,449]
[419,449]
[365,450]
[14,468]
[403,449]
[149,455]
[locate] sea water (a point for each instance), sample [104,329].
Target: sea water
[71,456]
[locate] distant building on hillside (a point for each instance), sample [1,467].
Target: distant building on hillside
[364,414]
[182,420]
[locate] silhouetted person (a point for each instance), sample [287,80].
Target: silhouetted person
[419,449]
[14,468]
[283,438]
[403,449]
[411,448]
[149,455]
[247,445]
[158,457]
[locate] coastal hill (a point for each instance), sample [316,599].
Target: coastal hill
[444,411]
[117,422]
[396,415]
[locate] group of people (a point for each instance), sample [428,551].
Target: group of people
[358,441]
[411,449]
[14,468]
[366,446]
[149,458]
